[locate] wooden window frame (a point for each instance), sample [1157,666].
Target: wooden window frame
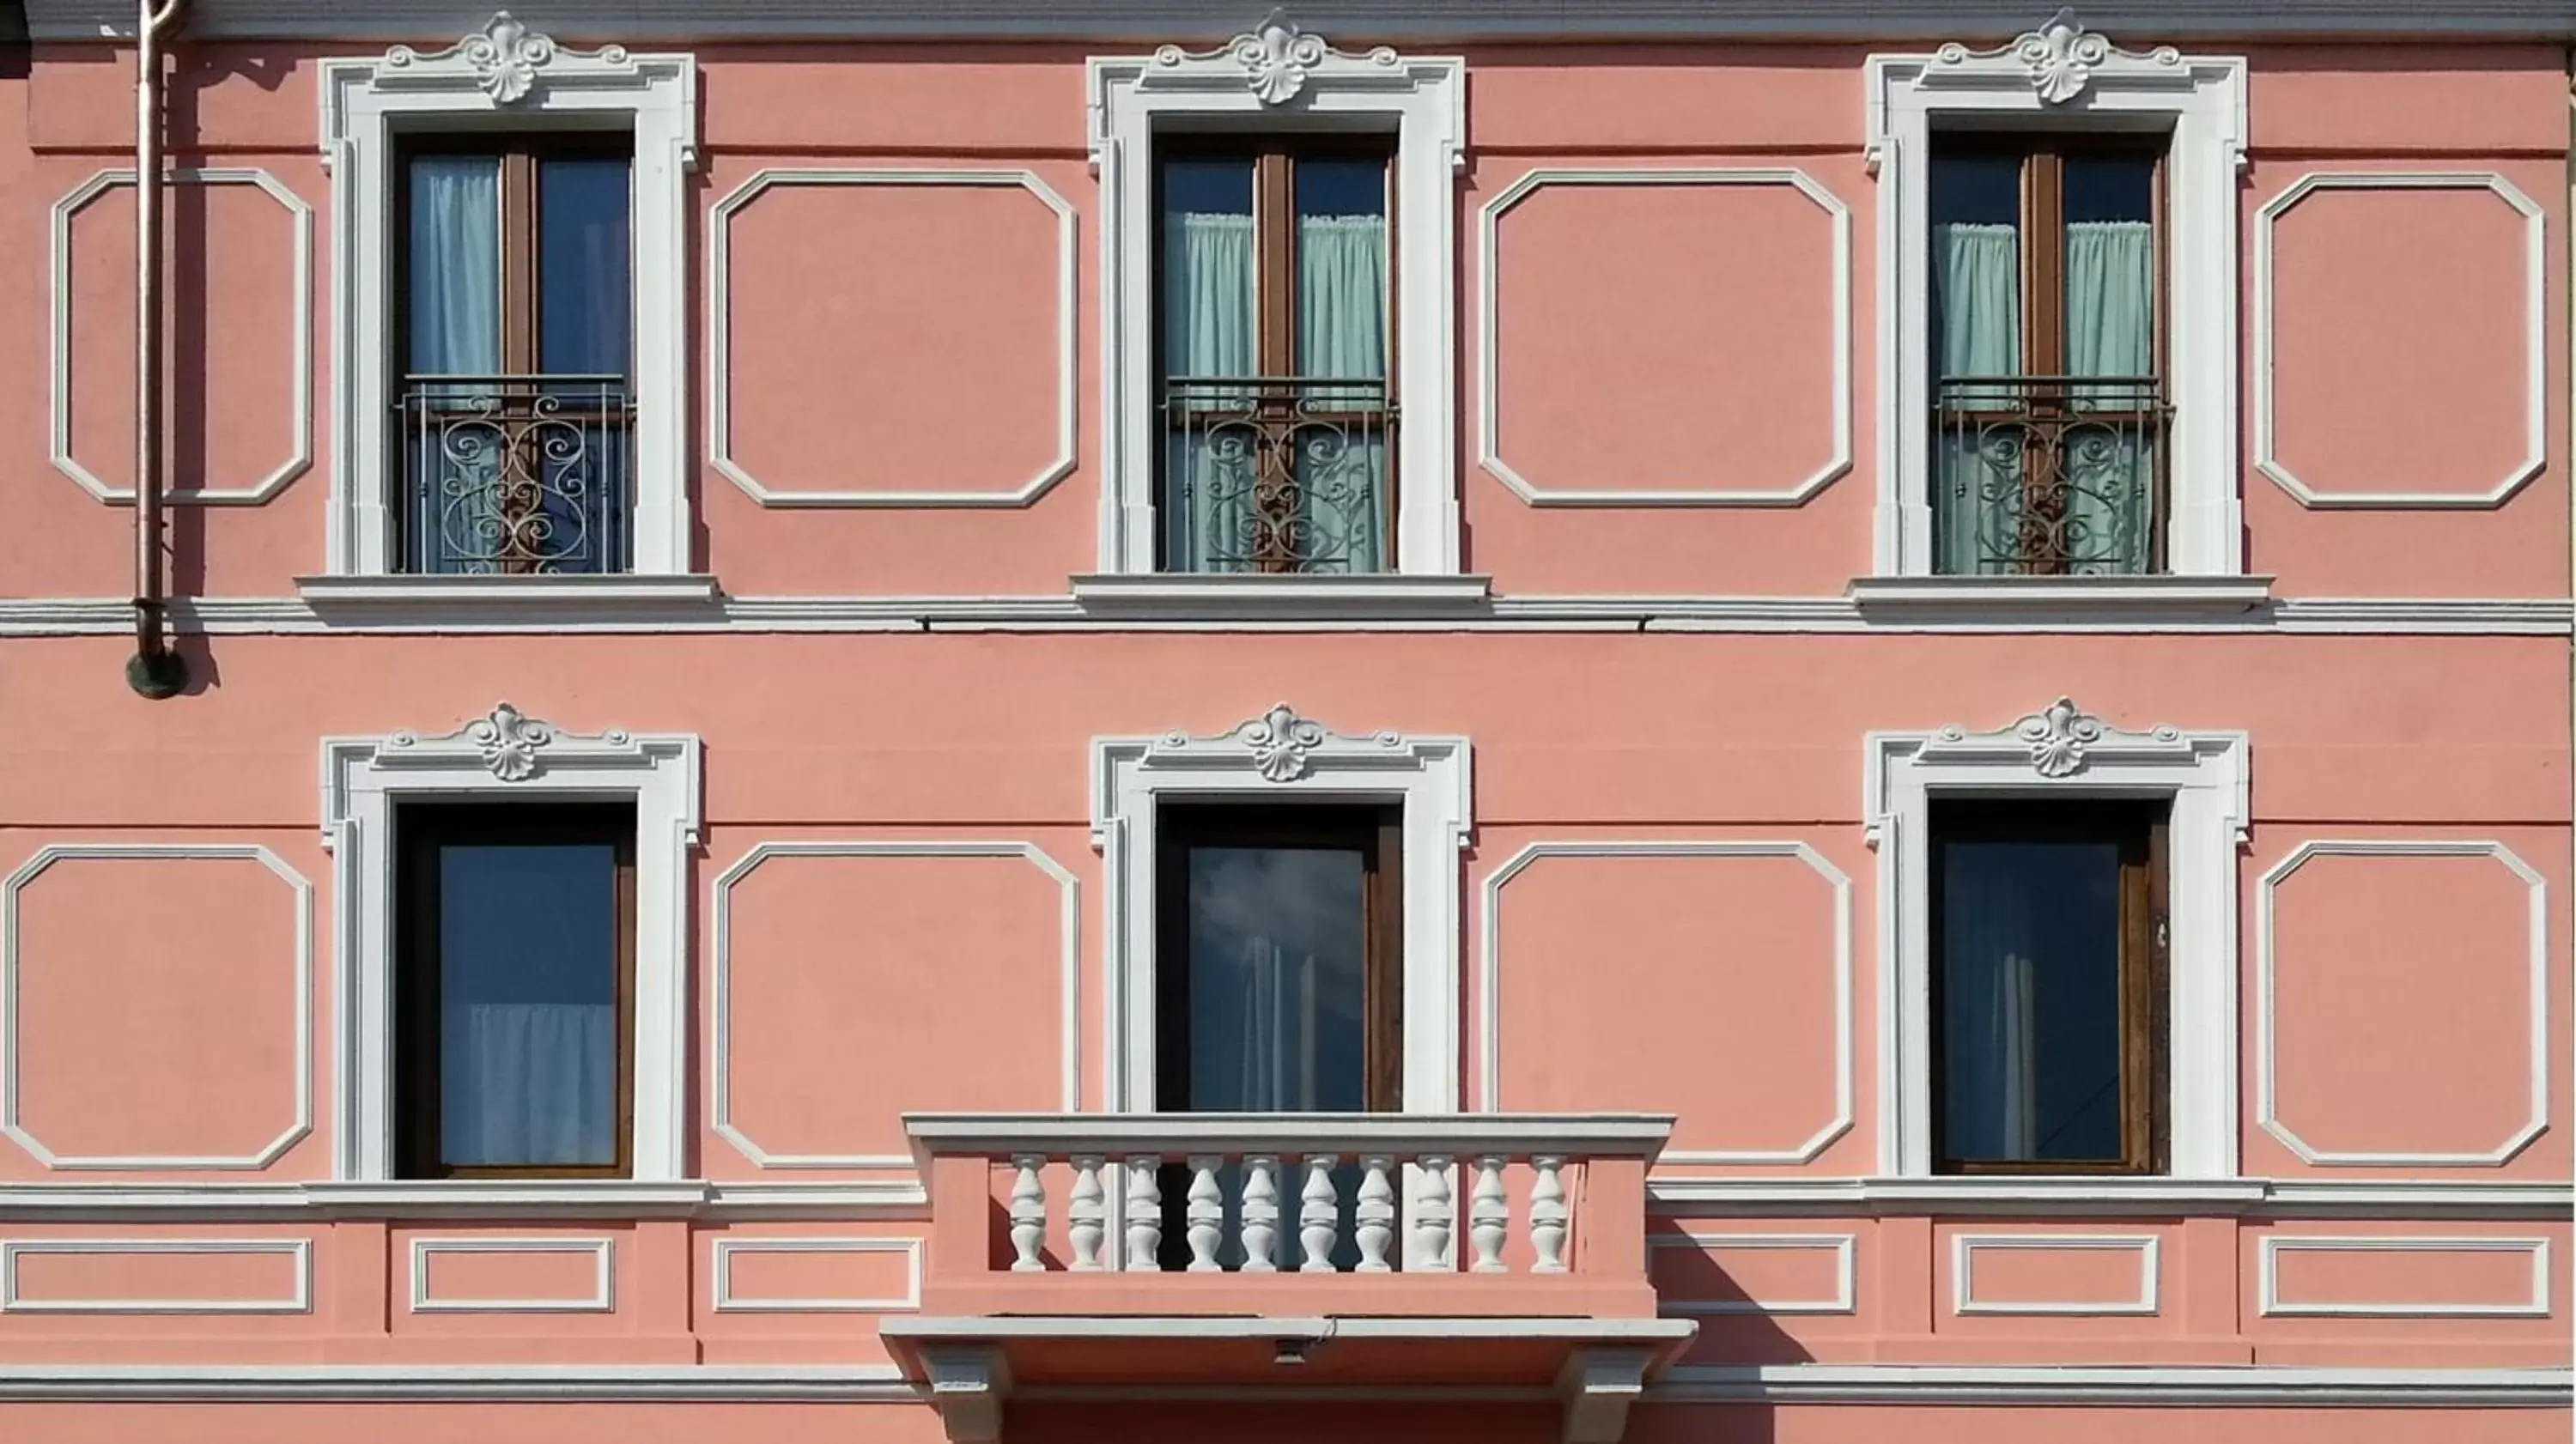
[2141,829]
[521,155]
[1376,832]
[420,830]
[1274,157]
[2043,158]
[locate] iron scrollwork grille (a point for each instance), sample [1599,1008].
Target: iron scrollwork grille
[2050,475]
[1278,474]
[516,475]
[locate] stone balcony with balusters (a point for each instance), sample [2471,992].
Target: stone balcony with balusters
[1490,1248]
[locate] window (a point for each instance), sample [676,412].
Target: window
[524,103]
[1280,940]
[2048,986]
[1374,139]
[2049,418]
[514,323]
[1275,353]
[515,974]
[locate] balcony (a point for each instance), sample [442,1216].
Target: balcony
[2049,475]
[1286,1250]
[1278,474]
[516,475]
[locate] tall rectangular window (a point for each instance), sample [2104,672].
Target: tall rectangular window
[2050,418]
[515,335]
[1278,966]
[2047,987]
[1275,348]
[515,974]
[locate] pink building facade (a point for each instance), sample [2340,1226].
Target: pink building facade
[1017,721]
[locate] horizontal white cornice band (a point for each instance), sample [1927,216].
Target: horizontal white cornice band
[259,616]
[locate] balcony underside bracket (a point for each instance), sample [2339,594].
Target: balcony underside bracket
[967,1384]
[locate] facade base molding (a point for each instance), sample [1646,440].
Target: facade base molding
[381,606]
[1773,1197]
[2245,1386]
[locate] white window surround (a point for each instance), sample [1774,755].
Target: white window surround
[504,77]
[1278,78]
[1281,757]
[2062,78]
[2064,752]
[507,756]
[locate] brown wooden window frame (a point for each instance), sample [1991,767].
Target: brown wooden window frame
[2141,829]
[2043,156]
[1375,831]
[421,829]
[1274,156]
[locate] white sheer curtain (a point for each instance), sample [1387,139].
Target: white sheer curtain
[529,1083]
[1341,334]
[1991,1058]
[1211,328]
[455,330]
[1977,276]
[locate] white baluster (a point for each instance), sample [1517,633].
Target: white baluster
[1144,1212]
[1028,1214]
[1087,1218]
[1260,1213]
[1427,1246]
[1547,1216]
[1375,1216]
[1206,1214]
[1489,1215]
[1319,1208]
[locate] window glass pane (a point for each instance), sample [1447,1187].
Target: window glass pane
[583,286]
[2110,262]
[1976,263]
[453,315]
[2030,988]
[1341,266]
[1211,270]
[528,1004]
[1278,942]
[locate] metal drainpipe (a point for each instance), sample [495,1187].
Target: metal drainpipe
[155,670]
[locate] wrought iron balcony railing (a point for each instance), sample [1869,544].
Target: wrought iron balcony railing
[516,474]
[2049,475]
[1278,474]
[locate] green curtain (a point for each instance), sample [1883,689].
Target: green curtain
[1211,328]
[1976,504]
[1341,335]
[2110,331]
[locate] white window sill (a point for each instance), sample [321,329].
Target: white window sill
[1271,598]
[2027,603]
[432,600]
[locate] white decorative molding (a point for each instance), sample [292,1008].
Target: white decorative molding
[630,606]
[300,895]
[1281,756]
[2266,965]
[727,1301]
[1422,101]
[2535,357]
[720,1005]
[1964,1248]
[1490,976]
[602,1299]
[1489,329]
[2154,1386]
[504,72]
[365,781]
[2203,775]
[720,338]
[2273,1306]
[2199,100]
[298,1301]
[299,365]
[1842,1246]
